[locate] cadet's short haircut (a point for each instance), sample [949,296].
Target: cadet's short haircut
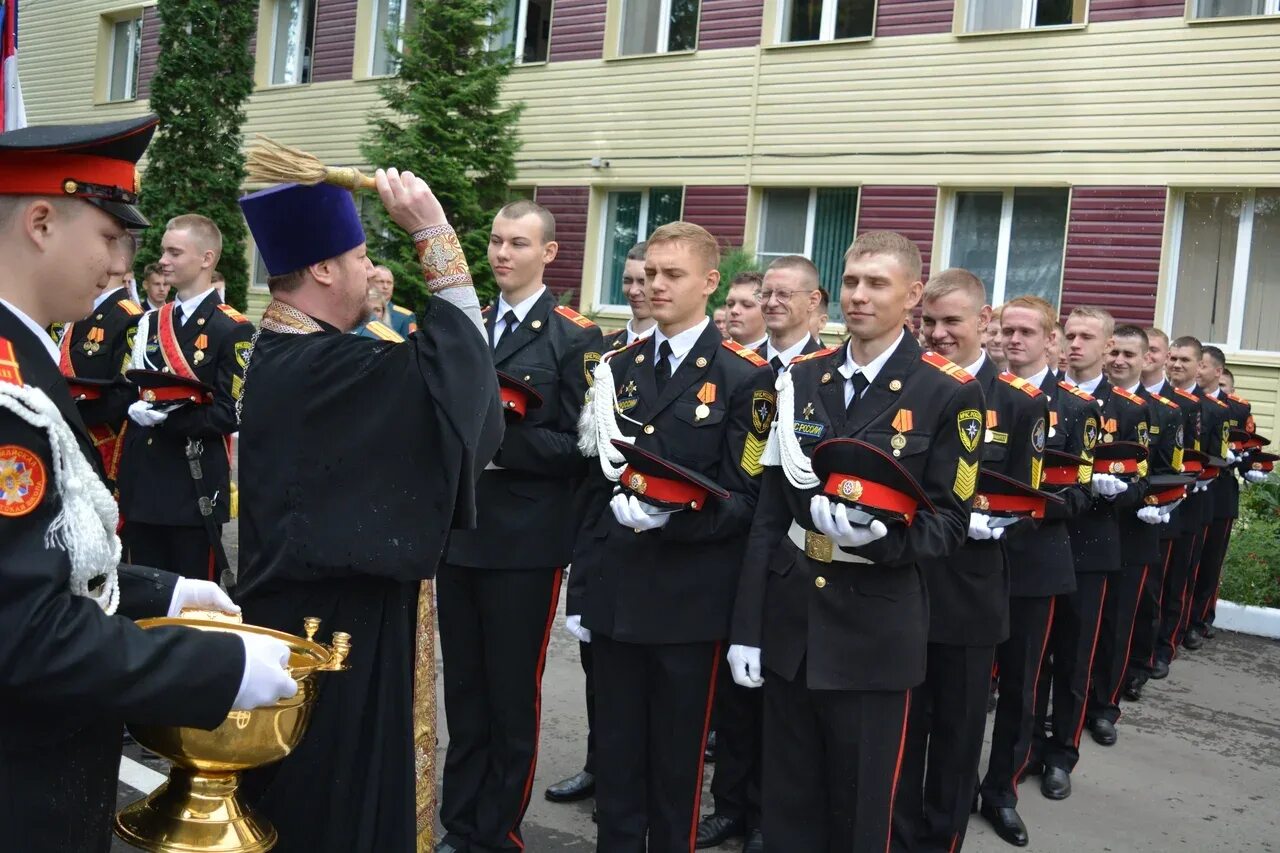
[888,243]
[1226,371]
[1217,356]
[217,277]
[1104,317]
[1048,316]
[523,207]
[636,252]
[1128,331]
[824,301]
[749,278]
[202,228]
[694,236]
[1154,332]
[150,270]
[952,281]
[808,272]
[11,204]
[1184,341]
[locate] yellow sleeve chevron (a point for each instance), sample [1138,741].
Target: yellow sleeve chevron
[751,452]
[966,479]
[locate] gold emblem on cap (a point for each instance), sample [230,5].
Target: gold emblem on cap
[1257,466]
[537,324]
[1151,500]
[701,412]
[1117,467]
[895,385]
[850,489]
[980,503]
[149,396]
[826,377]
[640,359]
[637,483]
[701,362]
[70,187]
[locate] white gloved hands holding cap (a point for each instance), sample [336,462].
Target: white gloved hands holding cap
[1255,476]
[744,665]
[631,512]
[147,415]
[1152,515]
[1108,486]
[833,520]
[980,527]
[265,680]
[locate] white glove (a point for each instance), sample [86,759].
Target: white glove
[630,512]
[744,664]
[1200,486]
[145,414]
[980,527]
[835,523]
[1107,486]
[1231,457]
[1255,476]
[202,595]
[265,680]
[1152,515]
[573,624]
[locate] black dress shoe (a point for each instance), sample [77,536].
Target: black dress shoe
[1193,639]
[709,754]
[1160,670]
[1056,784]
[1132,690]
[579,786]
[1104,732]
[1208,633]
[716,829]
[755,842]
[1007,824]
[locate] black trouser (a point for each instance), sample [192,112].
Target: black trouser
[494,629]
[653,710]
[1146,625]
[1018,662]
[1174,597]
[181,550]
[588,670]
[831,765]
[1115,637]
[1193,580]
[735,785]
[943,747]
[1216,540]
[1072,640]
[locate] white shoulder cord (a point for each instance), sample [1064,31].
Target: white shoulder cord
[86,526]
[598,425]
[783,447]
[139,354]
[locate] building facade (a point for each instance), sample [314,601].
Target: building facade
[1121,153]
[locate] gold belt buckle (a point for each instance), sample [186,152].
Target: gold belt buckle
[817,546]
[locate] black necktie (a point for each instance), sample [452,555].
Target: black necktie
[777,365]
[512,321]
[662,369]
[860,383]
[177,313]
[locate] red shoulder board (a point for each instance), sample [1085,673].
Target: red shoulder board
[1075,390]
[1132,398]
[9,371]
[1021,384]
[1218,402]
[1166,401]
[745,352]
[232,313]
[1192,397]
[815,354]
[129,307]
[611,353]
[1241,400]
[574,317]
[947,366]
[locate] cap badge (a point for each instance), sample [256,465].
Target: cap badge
[637,483]
[850,489]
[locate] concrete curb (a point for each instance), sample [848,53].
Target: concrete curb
[1245,619]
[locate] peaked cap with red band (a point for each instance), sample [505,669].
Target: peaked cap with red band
[1062,468]
[95,162]
[1004,496]
[665,484]
[863,475]
[1120,458]
[517,397]
[157,386]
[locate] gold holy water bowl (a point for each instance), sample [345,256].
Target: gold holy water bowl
[197,810]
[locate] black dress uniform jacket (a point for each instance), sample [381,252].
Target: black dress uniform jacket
[676,584]
[521,505]
[866,628]
[70,676]
[615,340]
[1128,415]
[115,320]
[155,479]
[1095,542]
[1225,487]
[1187,517]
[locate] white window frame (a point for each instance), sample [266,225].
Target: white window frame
[135,52]
[826,29]
[302,45]
[254,285]
[522,25]
[642,234]
[810,222]
[1239,276]
[375,35]
[664,27]
[1027,16]
[1272,8]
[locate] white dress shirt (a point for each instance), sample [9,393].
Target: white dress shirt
[522,310]
[1087,387]
[786,355]
[189,306]
[680,344]
[973,369]
[871,371]
[633,335]
[102,297]
[49,346]
[1155,389]
[1038,379]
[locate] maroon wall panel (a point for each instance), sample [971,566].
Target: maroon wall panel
[1127,10]
[905,209]
[569,206]
[577,29]
[730,23]
[335,41]
[148,51]
[1113,251]
[720,210]
[914,17]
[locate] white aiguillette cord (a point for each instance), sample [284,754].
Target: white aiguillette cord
[598,423]
[86,525]
[783,447]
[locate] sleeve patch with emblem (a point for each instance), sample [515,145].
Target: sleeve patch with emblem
[966,479]
[763,408]
[1090,433]
[589,363]
[969,423]
[22,480]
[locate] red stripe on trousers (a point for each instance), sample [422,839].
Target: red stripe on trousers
[1088,682]
[1035,688]
[1133,623]
[1168,556]
[897,769]
[537,704]
[702,747]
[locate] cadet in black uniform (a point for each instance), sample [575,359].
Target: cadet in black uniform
[74,673]
[652,590]
[832,615]
[499,584]
[197,337]
[641,324]
[1040,562]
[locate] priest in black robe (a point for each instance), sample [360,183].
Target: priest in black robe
[348,498]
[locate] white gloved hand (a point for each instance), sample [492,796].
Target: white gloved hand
[1107,486]
[630,512]
[1255,476]
[835,523]
[980,527]
[744,665]
[573,624]
[1200,486]
[1231,457]
[265,679]
[1152,515]
[202,595]
[145,414]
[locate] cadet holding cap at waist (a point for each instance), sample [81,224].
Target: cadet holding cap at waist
[76,669]
[832,612]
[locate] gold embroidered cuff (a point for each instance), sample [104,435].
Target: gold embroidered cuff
[443,264]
